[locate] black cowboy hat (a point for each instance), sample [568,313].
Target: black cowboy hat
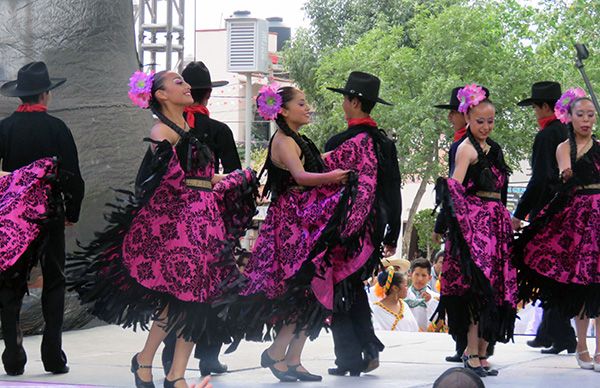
[544,91]
[32,79]
[362,85]
[454,102]
[197,75]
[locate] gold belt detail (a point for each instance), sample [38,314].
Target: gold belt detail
[588,187]
[488,194]
[198,183]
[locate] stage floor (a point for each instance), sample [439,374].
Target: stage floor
[100,357]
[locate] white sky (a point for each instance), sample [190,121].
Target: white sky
[212,14]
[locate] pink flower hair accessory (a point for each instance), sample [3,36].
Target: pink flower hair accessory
[561,108]
[140,88]
[470,95]
[269,101]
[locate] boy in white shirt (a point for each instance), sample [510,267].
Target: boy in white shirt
[421,299]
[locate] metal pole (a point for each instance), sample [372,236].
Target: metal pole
[248,121]
[579,64]
[169,48]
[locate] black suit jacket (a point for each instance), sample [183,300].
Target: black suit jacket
[544,170]
[219,138]
[28,136]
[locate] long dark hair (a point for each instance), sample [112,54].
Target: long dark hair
[312,159]
[203,155]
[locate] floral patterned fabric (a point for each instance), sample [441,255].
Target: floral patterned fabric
[302,249]
[24,204]
[479,281]
[173,252]
[559,252]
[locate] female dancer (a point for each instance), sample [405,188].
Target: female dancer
[391,312]
[285,260]
[167,253]
[559,252]
[479,282]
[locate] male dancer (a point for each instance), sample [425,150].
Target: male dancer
[219,138]
[27,135]
[352,330]
[554,330]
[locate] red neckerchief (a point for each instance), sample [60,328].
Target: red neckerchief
[546,120]
[32,108]
[189,112]
[460,133]
[362,121]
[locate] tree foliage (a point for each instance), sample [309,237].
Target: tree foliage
[422,49]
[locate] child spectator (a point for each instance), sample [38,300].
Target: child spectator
[421,299]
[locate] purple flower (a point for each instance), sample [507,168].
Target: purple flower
[561,108]
[269,101]
[140,88]
[469,96]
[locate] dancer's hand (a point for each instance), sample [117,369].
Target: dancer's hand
[389,250]
[339,176]
[4,173]
[516,223]
[205,383]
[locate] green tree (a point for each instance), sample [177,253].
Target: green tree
[479,43]
[424,224]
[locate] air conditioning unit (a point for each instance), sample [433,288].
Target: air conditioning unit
[247,45]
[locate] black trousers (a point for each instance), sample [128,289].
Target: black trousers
[353,333]
[13,290]
[204,351]
[555,329]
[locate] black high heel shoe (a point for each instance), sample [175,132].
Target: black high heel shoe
[284,376]
[171,384]
[303,376]
[488,369]
[139,383]
[479,371]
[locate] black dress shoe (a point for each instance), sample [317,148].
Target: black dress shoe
[371,365]
[534,343]
[342,372]
[14,372]
[455,358]
[303,376]
[212,367]
[59,371]
[555,349]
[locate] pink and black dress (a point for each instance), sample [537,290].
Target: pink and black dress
[480,281]
[558,254]
[26,203]
[170,245]
[312,239]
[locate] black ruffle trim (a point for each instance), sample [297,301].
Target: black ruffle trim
[495,322]
[104,285]
[257,318]
[571,299]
